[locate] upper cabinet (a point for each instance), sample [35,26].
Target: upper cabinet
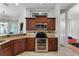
[40,22]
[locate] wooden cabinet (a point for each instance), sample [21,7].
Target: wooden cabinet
[52,44]
[26,44]
[7,49]
[19,46]
[30,44]
[0,50]
[28,23]
[51,24]
[31,22]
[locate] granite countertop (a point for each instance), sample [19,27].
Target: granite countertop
[26,36]
[7,39]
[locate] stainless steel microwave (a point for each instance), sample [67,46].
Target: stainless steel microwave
[41,25]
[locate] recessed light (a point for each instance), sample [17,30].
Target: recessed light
[41,3]
[17,3]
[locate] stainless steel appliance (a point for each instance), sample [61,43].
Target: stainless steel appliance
[41,42]
[40,26]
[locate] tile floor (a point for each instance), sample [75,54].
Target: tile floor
[63,51]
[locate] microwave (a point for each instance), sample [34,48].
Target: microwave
[41,25]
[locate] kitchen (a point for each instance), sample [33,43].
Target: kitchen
[43,40]
[31,28]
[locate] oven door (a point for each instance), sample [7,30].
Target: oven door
[41,44]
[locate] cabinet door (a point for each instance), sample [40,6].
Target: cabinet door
[19,46]
[52,44]
[51,24]
[0,50]
[22,44]
[28,23]
[8,51]
[31,44]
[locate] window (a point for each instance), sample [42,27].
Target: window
[13,28]
[8,28]
[3,28]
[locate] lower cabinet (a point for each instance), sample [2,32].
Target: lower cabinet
[30,44]
[52,44]
[7,49]
[0,50]
[19,46]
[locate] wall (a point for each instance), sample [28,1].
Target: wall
[21,19]
[62,28]
[74,27]
[51,13]
[74,22]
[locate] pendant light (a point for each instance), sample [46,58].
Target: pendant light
[3,18]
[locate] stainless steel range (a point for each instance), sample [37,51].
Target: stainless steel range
[41,42]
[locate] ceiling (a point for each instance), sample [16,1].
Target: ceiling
[14,10]
[74,10]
